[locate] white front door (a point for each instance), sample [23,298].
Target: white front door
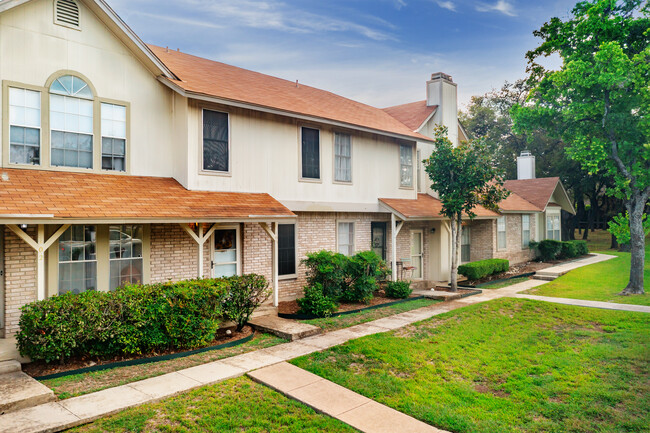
[225,256]
[416,253]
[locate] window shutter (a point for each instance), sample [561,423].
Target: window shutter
[66,13]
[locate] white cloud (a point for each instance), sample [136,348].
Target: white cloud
[276,15]
[503,6]
[447,5]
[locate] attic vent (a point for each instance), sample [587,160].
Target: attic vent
[66,13]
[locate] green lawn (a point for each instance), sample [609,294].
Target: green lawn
[236,405]
[333,323]
[509,365]
[79,384]
[599,282]
[502,284]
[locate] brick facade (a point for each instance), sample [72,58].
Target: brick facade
[483,240]
[174,254]
[20,277]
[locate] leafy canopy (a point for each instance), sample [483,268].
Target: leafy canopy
[465,176]
[599,101]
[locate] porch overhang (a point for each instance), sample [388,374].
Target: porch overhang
[426,208]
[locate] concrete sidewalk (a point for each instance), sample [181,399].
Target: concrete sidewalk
[338,402]
[590,304]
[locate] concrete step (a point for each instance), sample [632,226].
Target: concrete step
[439,295]
[284,328]
[547,277]
[9,366]
[20,391]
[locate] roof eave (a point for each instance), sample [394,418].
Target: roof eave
[209,98]
[49,219]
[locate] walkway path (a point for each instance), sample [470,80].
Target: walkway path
[67,413]
[338,402]
[592,304]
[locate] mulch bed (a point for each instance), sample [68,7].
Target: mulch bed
[41,368]
[522,268]
[291,307]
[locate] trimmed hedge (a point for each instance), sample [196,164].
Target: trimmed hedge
[483,268]
[398,289]
[133,319]
[550,249]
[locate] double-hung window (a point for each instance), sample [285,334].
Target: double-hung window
[525,231]
[345,238]
[286,249]
[125,255]
[342,157]
[24,126]
[406,165]
[71,122]
[465,245]
[553,227]
[501,233]
[78,259]
[113,137]
[216,152]
[310,153]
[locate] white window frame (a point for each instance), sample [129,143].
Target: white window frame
[295,246]
[421,255]
[468,244]
[502,220]
[102,136]
[353,246]
[552,217]
[24,125]
[126,259]
[67,262]
[412,184]
[301,178]
[523,230]
[335,180]
[238,253]
[215,172]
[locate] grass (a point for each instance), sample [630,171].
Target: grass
[84,383]
[599,282]
[509,365]
[235,405]
[506,283]
[333,323]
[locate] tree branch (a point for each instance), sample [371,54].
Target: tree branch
[614,144]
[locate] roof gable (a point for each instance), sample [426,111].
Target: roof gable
[230,84]
[118,27]
[414,114]
[539,191]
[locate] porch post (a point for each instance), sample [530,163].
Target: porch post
[200,265]
[393,247]
[275,265]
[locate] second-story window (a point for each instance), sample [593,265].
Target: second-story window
[406,165]
[24,126]
[342,157]
[71,122]
[216,154]
[310,153]
[113,137]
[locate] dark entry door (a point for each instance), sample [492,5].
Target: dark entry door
[378,238]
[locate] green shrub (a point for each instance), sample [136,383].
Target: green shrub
[567,250]
[581,247]
[398,289]
[328,269]
[136,318]
[483,268]
[316,303]
[548,249]
[245,294]
[362,274]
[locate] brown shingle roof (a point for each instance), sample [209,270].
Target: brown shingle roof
[105,196]
[515,203]
[426,207]
[536,191]
[207,77]
[412,114]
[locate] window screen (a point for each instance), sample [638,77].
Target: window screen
[215,141]
[286,249]
[310,153]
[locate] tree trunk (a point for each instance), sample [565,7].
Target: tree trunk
[454,256]
[637,246]
[614,243]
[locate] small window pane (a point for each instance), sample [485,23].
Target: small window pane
[77,259]
[310,153]
[501,233]
[125,253]
[24,126]
[346,238]
[342,158]
[406,165]
[215,141]
[286,249]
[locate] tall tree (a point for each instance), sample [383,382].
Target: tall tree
[599,101]
[464,177]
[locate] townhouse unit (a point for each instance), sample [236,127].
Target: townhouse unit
[123,162]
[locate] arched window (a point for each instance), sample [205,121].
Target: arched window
[71,122]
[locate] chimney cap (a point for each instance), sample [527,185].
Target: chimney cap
[441,75]
[526,153]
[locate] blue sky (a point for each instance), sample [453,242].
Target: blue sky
[379,52]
